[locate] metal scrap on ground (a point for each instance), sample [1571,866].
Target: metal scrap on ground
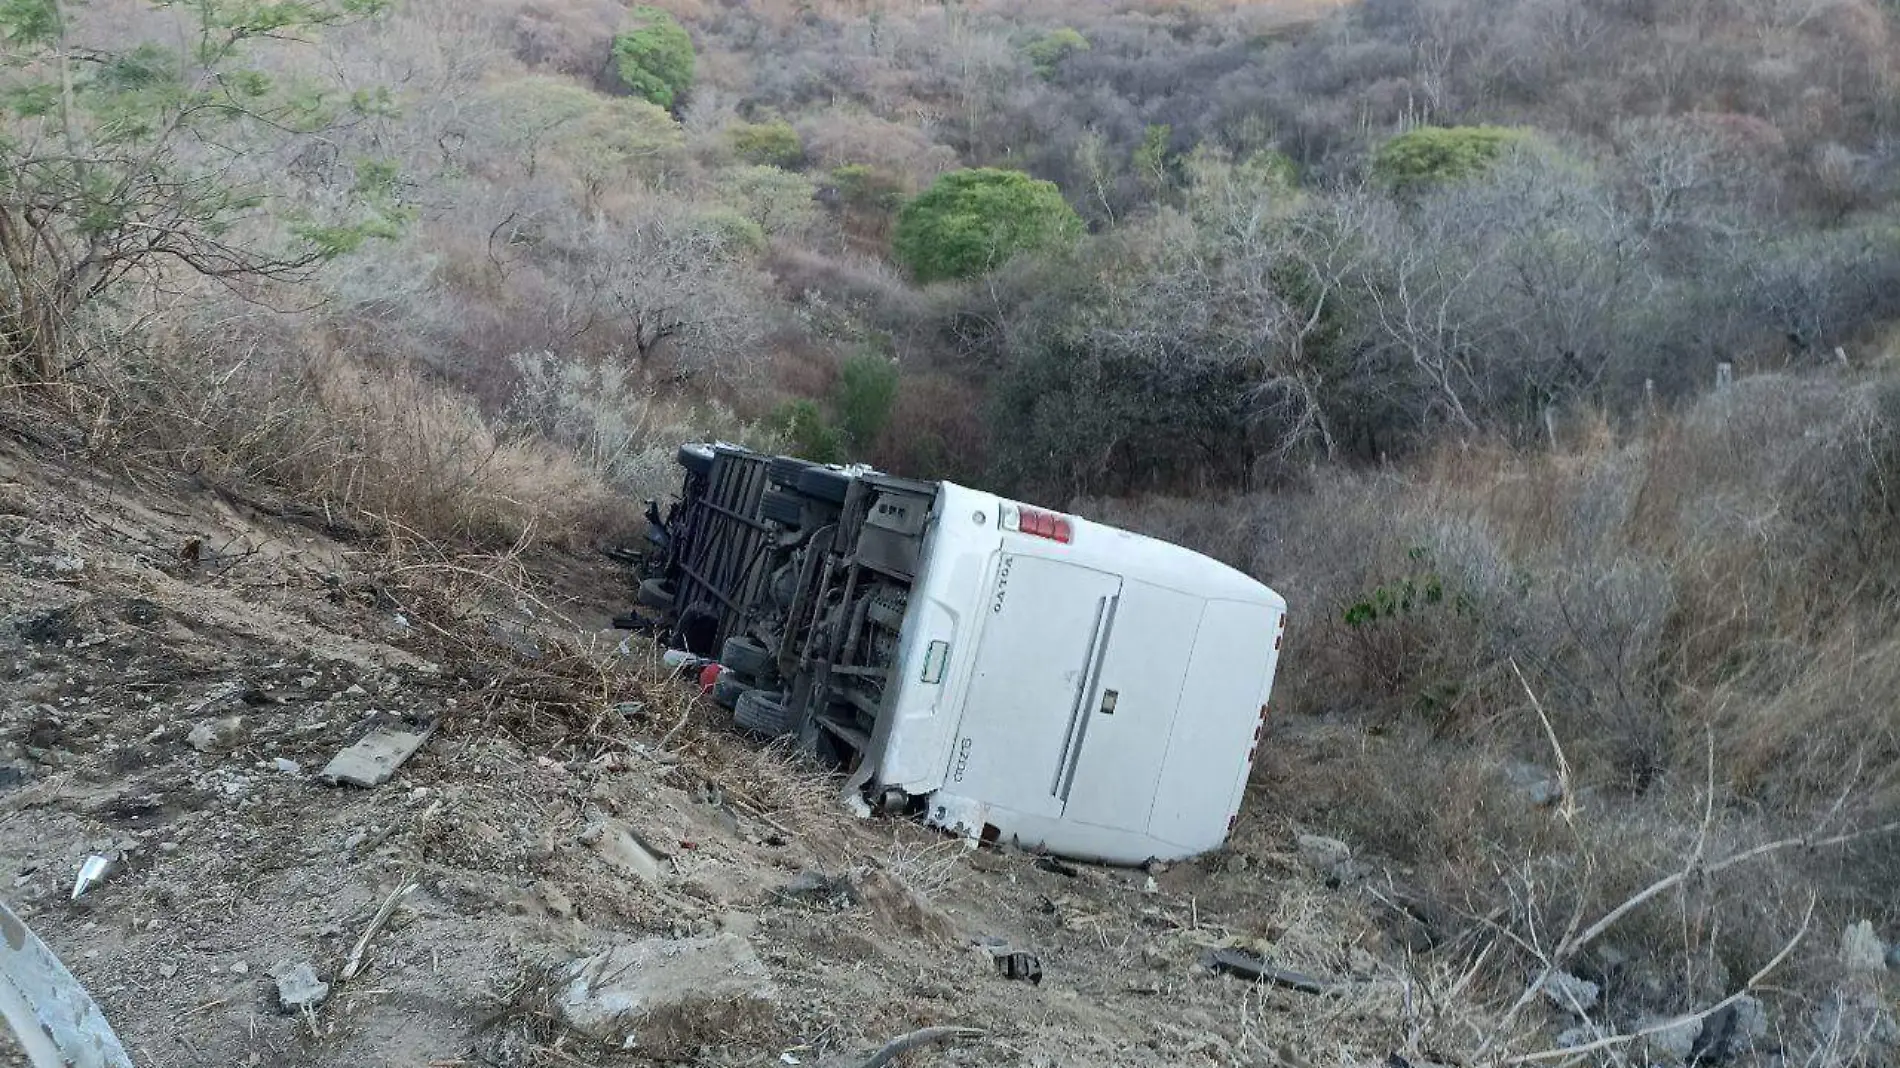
[1249,966]
[56,1021]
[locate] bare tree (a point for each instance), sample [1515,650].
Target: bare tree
[675,293]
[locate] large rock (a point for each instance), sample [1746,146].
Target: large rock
[1330,857]
[613,994]
[1861,948]
[1571,994]
[1543,788]
[1856,1025]
[216,734]
[1733,1031]
[298,987]
[1671,1045]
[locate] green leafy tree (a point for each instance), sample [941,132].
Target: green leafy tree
[548,122]
[867,389]
[867,189]
[655,57]
[1154,164]
[767,144]
[119,165]
[1046,53]
[781,203]
[972,221]
[1436,155]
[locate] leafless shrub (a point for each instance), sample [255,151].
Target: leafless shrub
[624,431]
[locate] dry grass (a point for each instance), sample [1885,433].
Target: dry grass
[1715,590]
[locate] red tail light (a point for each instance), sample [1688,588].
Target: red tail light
[1039,523]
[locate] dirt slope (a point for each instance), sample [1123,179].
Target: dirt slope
[135,612]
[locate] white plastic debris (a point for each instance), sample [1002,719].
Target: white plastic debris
[91,874]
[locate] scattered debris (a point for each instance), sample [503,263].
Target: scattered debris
[1057,867]
[1252,967]
[92,872]
[1571,994]
[1020,965]
[817,888]
[298,987]
[240,968]
[54,1020]
[1014,964]
[621,847]
[287,766]
[355,963]
[376,756]
[609,994]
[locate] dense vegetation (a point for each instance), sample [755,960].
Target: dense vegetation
[1413,307]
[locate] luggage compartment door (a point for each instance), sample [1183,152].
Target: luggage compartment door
[1047,627]
[1132,707]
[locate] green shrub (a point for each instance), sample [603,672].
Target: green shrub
[807,432]
[1433,155]
[1047,52]
[732,229]
[867,189]
[780,202]
[867,388]
[768,144]
[655,58]
[1155,166]
[972,221]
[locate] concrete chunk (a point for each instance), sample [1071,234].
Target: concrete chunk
[298,987]
[619,846]
[610,994]
[375,757]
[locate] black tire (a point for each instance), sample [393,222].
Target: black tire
[727,689]
[746,657]
[762,713]
[695,460]
[825,484]
[785,509]
[654,594]
[784,471]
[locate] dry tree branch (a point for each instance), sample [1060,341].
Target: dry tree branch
[1754,981]
[1567,807]
[1574,940]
